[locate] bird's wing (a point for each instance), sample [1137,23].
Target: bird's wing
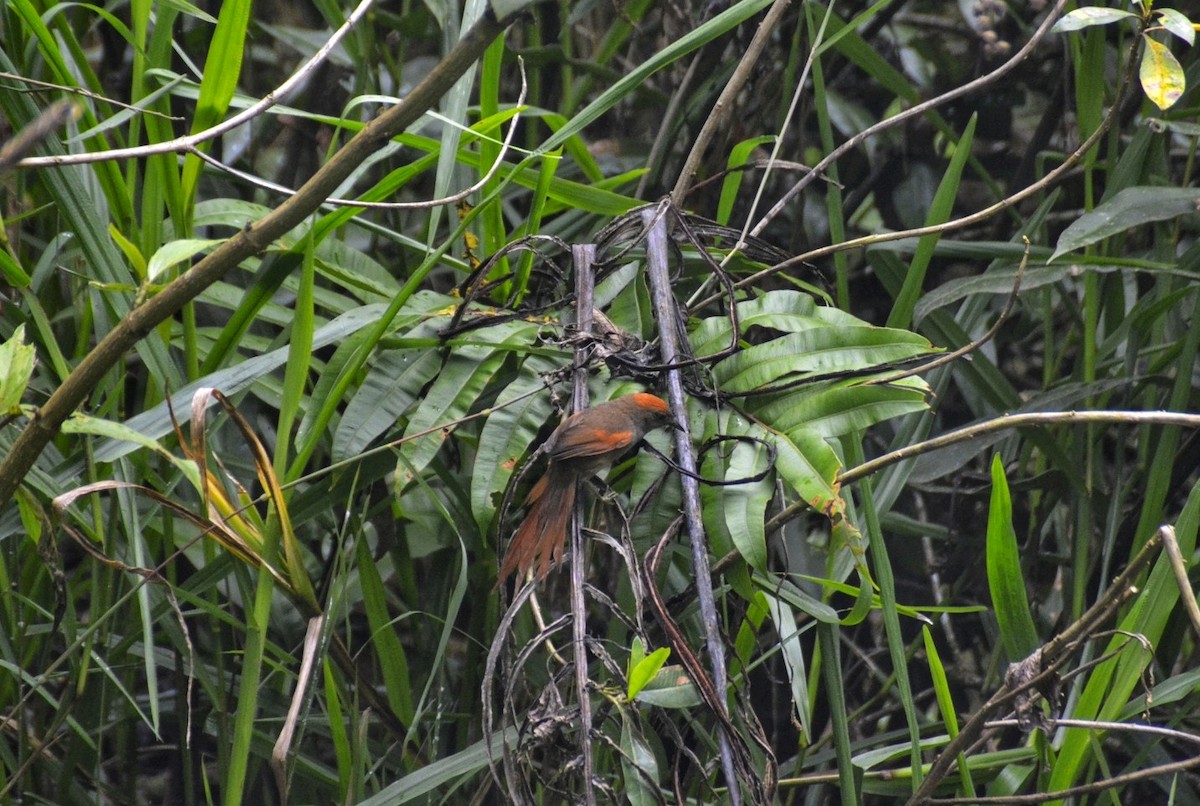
[572,443]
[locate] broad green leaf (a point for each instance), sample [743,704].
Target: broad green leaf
[1006,580]
[1161,74]
[815,352]
[1000,281]
[744,506]
[1131,207]
[670,688]
[639,766]
[1177,23]
[806,462]
[783,310]
[644,669]
[393,661]
[832,410]
[231,380]
[394,381]
[467,369]
[1086,17]
[80,423]
[16,368]
[174,252]
[517,415]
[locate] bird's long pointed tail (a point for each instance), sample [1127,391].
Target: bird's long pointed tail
[542,536]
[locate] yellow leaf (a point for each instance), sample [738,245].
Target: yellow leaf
[1162,77]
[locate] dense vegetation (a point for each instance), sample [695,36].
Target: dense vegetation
[291,294]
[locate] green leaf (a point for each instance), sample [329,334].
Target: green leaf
[738,155]
[1005,577]
[670,688]
[445,771]
[942,692]
[1129,208]
[816,352]
[939,212]
[16,368]
[1086,17]
[132,253]
[174,252]
[157,421]
[1108,687]
[463,375]
[793,658]
[1161,74]
[12,271]
[1000,281]
[394,381]
[517,415]
[744,506]
[835,409]
[393,662]
[1177,23]
[619,91]
[941,684]
[80,423]
[643,670]
[639,765]
[807,462]
[222,68]
[800,599]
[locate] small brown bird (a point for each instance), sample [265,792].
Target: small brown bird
[583,444]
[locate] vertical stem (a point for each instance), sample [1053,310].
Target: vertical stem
[582,256]
[667,315]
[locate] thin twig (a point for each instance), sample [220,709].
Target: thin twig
[1037,669]
[1180,571]
[1029,418]
[50,119]
[970,432]
[1094,787]
[190,141]
[85,93]
[266,184]
[723,107]
[966,89]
